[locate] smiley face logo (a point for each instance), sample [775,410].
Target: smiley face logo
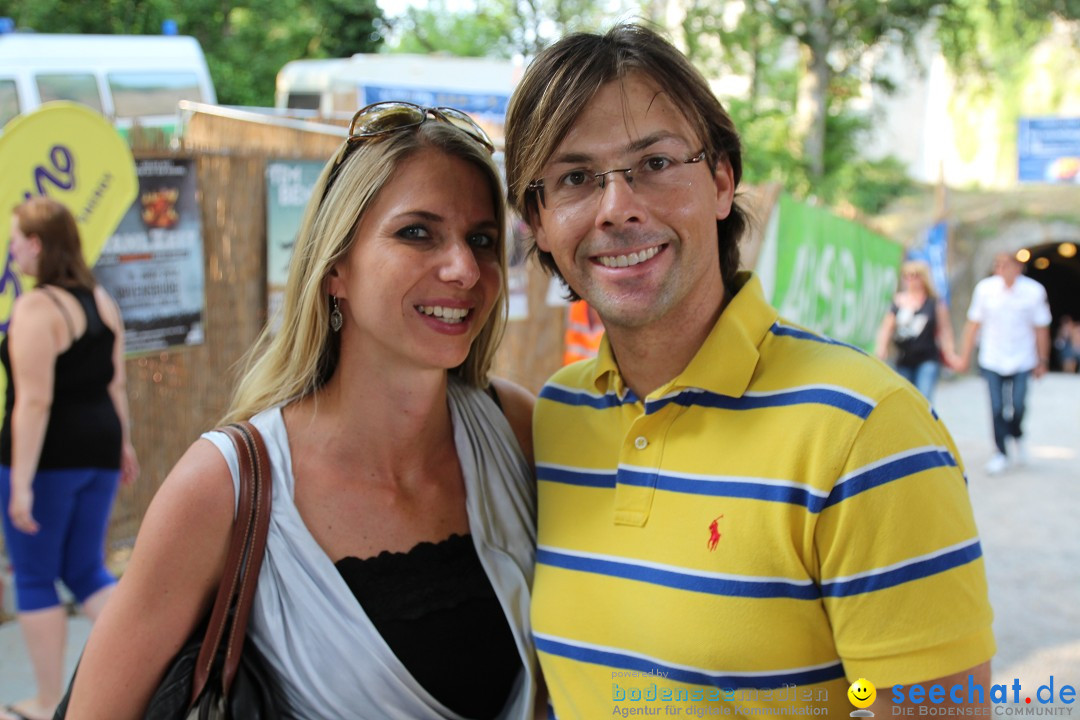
[862,693]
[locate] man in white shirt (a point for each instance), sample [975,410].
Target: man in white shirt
[1013,314]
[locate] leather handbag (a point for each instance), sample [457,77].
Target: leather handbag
[218,674]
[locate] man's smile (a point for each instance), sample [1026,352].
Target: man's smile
[634,258]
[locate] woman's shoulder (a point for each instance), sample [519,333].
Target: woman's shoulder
[513,396]
[36,309]
[517,405]
[197,487]
[107,308]
[33,301]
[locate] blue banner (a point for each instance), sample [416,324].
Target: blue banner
[490,105]
[1048,150]
[933,251]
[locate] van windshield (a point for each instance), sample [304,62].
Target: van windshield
[137,94]
[77,87]
[9,101]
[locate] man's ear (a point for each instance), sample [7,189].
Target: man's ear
[724,177]
[537,228]
[541,238]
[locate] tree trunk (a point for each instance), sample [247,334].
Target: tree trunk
[812,103]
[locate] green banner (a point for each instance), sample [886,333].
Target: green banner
[832,275]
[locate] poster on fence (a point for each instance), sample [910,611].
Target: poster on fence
[153,263]
[288,187]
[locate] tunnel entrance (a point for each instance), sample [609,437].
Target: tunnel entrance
[1057,266]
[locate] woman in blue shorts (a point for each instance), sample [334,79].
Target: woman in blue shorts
[64,443]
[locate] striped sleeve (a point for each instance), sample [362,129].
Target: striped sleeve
[906,593]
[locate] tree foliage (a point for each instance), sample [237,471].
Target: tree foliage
[246,41]
[484,32]
[987,39]
[828,38]
[768,43]
[499,28]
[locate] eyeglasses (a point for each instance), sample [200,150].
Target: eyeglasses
[383,118]
[653,173]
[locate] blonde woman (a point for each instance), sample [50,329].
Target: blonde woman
[395,582]
[918,325]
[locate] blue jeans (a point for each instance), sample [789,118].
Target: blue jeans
[1006,423]
[923,376]
[72,506]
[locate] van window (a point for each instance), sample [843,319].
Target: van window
[303,101]
[69,86]
[152,93]
[9,101]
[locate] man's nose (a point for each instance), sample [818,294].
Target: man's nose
[619,202]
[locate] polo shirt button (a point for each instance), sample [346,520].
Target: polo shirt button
[641,443]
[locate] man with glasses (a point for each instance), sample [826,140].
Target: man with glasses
[731,508]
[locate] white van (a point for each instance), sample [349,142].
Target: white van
[337,88]
[131,79]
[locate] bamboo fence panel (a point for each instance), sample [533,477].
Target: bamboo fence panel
[177,394]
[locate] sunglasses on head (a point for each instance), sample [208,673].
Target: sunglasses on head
[383,118]
[386,117]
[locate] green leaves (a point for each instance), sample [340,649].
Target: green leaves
[499,28]
[246,41]
[806,134]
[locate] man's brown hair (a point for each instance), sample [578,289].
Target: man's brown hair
[564,77]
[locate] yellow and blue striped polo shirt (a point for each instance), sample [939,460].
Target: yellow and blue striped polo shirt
[785,516]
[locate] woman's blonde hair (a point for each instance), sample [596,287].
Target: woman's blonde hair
[921,270]
[303,354]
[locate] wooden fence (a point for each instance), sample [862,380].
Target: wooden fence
[177,394]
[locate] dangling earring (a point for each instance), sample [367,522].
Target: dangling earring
[335,315]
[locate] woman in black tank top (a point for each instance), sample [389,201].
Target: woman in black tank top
[918,327]
[64,443]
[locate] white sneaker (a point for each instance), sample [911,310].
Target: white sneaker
[1020,448]
[997,464]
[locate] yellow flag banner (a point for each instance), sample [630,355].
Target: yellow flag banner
[75,156]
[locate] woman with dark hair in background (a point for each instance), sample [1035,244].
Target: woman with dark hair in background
[64,445]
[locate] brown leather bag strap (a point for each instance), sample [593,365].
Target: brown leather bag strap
[244,558]
[256,550]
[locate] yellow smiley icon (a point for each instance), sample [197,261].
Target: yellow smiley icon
[862,693]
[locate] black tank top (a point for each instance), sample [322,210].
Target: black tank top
[436,609]
[916,334]
[84,429]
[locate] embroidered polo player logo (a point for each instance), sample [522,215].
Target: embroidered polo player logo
[714,532]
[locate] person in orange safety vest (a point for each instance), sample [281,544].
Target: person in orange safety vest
[583,333]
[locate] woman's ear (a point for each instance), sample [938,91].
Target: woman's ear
[334,283]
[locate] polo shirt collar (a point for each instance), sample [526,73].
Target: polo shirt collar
[725,362]
[606,375]
[727,359]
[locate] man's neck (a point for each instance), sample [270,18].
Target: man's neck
[651,356]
